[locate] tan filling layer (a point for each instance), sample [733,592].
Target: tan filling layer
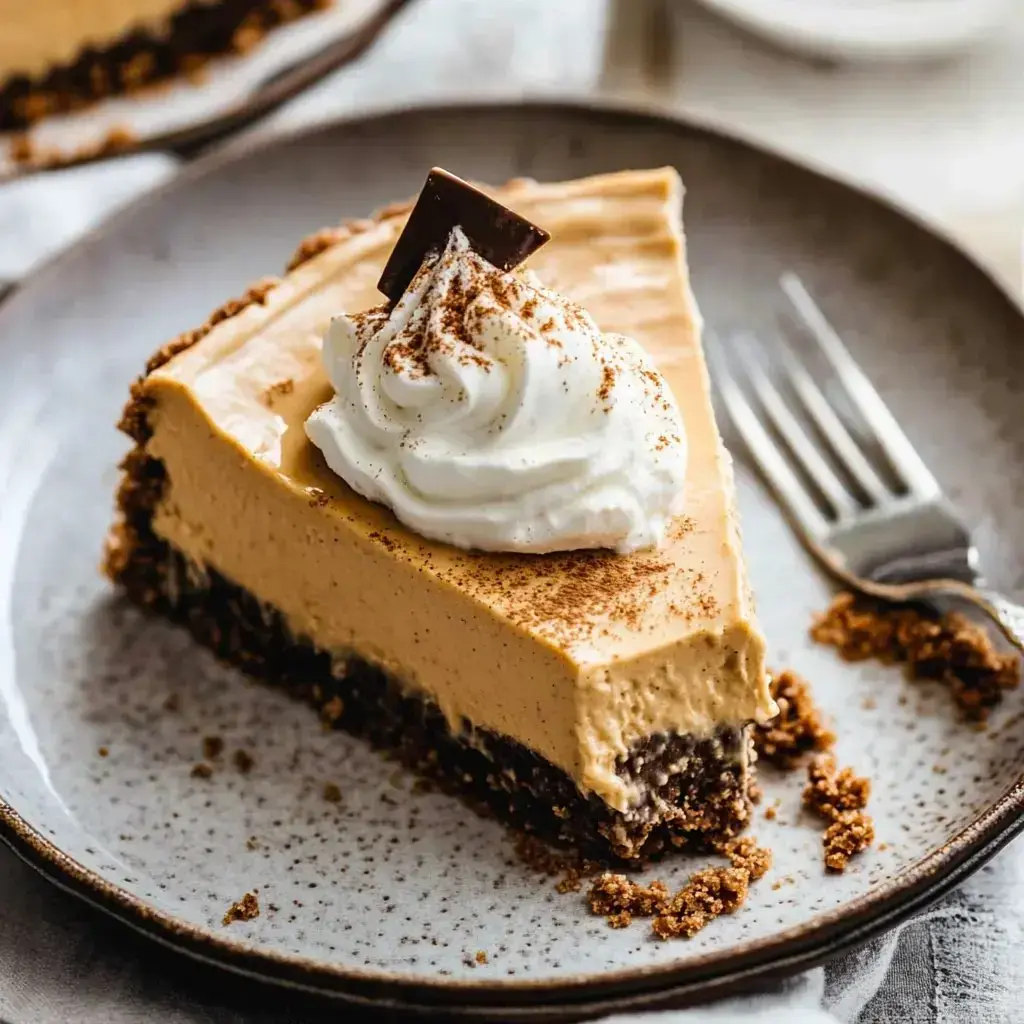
[578,656]
[36,35]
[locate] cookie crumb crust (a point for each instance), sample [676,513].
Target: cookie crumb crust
[707,894]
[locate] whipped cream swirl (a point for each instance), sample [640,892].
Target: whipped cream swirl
[490,412]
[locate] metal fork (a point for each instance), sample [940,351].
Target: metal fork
[862,500]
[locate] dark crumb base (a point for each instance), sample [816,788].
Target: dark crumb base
[702,802]
[197,32]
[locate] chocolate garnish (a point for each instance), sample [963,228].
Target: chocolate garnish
[496,233]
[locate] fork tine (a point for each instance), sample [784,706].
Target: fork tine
[802,447]
[831,426]
[783,481]
[862,394]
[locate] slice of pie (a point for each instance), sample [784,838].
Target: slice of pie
[590,696]
[56,55]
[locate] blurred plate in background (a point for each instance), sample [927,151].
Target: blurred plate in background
[231,91]
[867,29]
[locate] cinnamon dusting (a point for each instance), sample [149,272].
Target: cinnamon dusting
[573,596]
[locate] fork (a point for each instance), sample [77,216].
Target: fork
[862,500]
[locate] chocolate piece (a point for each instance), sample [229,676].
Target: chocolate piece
[500,236]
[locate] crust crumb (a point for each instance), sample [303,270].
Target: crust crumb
[332,793]
[572,881]
[539,857]
[798,729]
[245,909]
[743,852]
[24,151]
[839,796]
[201,771]
[315,244]
[614,894]
[850,834]
[332,710]
[22,148]
[707,895]
[244,761]
[831,790]
[948,648]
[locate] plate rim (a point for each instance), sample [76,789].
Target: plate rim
[794,949]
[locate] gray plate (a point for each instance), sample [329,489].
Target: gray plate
[387,896]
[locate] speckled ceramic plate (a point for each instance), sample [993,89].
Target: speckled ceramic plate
[389,894]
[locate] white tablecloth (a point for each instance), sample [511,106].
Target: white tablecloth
[947,140]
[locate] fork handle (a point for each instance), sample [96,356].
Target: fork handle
[1007,615]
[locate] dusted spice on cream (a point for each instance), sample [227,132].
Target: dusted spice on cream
[490,412]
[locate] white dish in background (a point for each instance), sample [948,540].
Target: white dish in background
[867,29]
[133,831]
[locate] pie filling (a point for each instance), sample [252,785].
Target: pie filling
[594,697]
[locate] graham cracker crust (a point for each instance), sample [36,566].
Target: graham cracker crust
[197,32]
